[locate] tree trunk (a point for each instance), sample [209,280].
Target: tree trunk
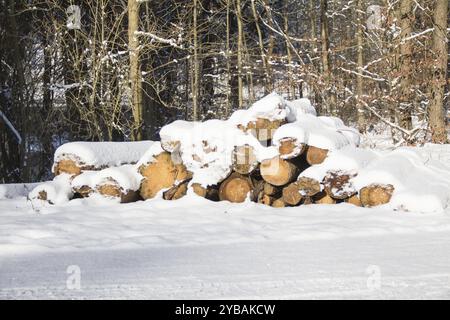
[436,109]
[406,18]
[240,44]
[135,68]
[195,68]
[360,62]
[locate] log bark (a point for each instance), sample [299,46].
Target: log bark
[210,193]
[308,187]
[111,189]
[235,188]
[266,199]
[338,184]
[289,148]
[176,192]
[291,194]
[82,192]
[244,159]
[315,155]
[439,73]
[271,190]
[278,172]
[376,194]
[161,174]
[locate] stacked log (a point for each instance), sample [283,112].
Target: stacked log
[192,157]
[161,173]
[236,188]
[315,155]
[244,159]
[376,194]
[278,171]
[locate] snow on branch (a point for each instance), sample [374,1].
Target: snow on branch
[172,42]
[417,35]
[11,127]
[363,75]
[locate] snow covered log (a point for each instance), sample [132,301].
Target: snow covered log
[308,187]
[315,155]
[120,183]
[376,194]
[174,133]
[244,159]
[57,191]
[262,118]
[76,157]
[235,188]
[290,148]
[278,172]
[160,172]
[338,184]
[291,194]
[262,129]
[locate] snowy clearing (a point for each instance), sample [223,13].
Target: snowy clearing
[194,248]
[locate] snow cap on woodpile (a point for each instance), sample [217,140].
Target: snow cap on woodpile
[298,108]
[125,177]
[417,187]
[272,107]
[57,191]
[327,133]
[206,148]
[97,155]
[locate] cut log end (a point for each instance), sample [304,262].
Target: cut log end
[161,174]
[244,159]
[291,194]
[338,184]
[278,172]
[112,190]
[308,187]
[289,148]
[323,198]
[376,194]
[235,189]
[67,166]
[263,129]
[315,155]
[278,203]
[354,200]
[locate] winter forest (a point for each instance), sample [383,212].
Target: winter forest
[117,70]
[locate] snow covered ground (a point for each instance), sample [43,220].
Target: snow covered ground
[195,249]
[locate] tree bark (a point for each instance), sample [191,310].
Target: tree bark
[436,109]
[240,45]
[406,18]
[135,68]
[360,63]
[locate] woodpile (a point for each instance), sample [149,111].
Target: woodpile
[263,165]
